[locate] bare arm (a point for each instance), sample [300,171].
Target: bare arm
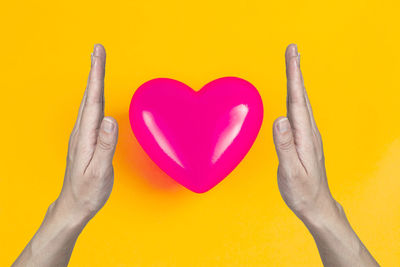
[302,177]
[88,178]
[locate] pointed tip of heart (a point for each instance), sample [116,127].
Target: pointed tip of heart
[199,191]
[198,185]
[197,188]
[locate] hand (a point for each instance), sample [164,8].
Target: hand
[89,174]
[302,177]
[88,180]
[301,173]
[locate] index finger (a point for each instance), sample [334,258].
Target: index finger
[297,110]
[93,110]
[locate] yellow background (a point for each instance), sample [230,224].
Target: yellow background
[350,58]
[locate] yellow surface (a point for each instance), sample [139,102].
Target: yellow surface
[350,59]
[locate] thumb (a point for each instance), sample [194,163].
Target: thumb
[106,143]
[284,143]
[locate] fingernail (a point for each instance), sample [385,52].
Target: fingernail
[295,49]
[96,50]
[107,125]
[283,125]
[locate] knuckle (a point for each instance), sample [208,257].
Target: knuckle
[93,97]
[286,144]
[94,100]
[297,99]
[293,99]
[105,144]
[69,158]
[322,158]
[291,60]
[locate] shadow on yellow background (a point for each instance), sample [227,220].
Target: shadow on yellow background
[350,61]
[132,157]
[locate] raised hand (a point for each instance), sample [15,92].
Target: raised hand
[302,177]
[88,180]
[89,175]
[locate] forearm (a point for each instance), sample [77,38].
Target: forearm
[337,243]
[53,243]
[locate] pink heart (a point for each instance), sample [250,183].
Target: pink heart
[197,138]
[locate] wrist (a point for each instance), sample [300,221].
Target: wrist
[336,239]
[72,217]
[332,225]
[330,213]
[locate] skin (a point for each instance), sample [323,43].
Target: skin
[89,177]
[88,181]
[302,177]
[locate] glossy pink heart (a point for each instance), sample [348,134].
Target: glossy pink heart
[196,137]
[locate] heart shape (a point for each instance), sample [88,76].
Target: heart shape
[196,137]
